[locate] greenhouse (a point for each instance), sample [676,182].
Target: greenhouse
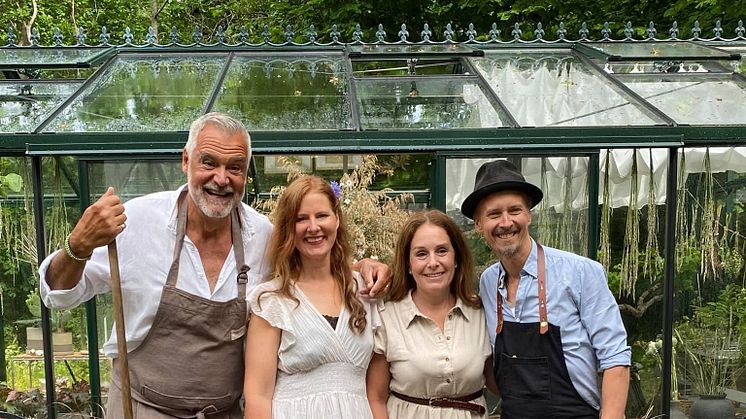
[639,144]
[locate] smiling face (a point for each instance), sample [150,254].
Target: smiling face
[216,171]
[503,219]
[432,259]
[316,226]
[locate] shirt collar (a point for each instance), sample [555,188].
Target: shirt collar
[530,267]
[411,312]
[247,230]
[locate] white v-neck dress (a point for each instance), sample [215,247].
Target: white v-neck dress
[320,370]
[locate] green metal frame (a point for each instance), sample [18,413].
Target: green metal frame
[442,144]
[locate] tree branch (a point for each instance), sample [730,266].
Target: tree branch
[642,306]
[160,9]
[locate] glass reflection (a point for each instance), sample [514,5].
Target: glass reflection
[426,103]
[24,105]
[657,49]
[48,56]
[278,93]
[144,93]
[695,101]
[554,89]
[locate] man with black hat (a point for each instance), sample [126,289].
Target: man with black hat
[552,319]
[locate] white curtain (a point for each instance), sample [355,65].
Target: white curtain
[460,174]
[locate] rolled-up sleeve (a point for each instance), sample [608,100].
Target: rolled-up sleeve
[95,280]
[599,313]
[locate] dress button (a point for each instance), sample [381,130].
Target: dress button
[450,316]
[448,380]
[448,359]
[448,338]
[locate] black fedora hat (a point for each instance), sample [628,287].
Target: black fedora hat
[496,176]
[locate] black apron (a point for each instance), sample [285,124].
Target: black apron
[530,367]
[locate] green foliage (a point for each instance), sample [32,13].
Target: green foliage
[11,182]
[231,15]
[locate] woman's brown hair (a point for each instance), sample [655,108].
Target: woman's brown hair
[285,260]
[464,278]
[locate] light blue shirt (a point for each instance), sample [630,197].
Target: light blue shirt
[578,301]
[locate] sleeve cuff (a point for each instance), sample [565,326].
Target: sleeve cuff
[623,358]
[58,299]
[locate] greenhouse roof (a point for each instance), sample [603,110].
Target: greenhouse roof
[417,95]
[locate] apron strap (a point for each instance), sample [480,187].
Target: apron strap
[238,252]
[181,222]
[542,274]
[543,323]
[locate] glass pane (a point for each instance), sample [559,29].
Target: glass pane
[426,103]
[693,101]
[405,68]
[658,67]
[41,57]
[286,93]
[631,50]
[143,93]
[24,105]
[710,298]
[553,89]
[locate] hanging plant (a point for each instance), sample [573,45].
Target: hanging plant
[709,225]
[652,259]
[604,253]
[631,252]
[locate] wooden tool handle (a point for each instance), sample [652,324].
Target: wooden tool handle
[116,296]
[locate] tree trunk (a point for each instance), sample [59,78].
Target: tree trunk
[154,16]
[27,27]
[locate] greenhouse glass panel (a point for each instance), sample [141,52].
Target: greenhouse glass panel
[50,57]
[653,50]
[694,100]
[426,103]
[406,68]
[709,296]
[658,67]
[558,90]
[25,104]
[148,92]
[287,92]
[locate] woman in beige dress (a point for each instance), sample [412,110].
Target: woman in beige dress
[432,354]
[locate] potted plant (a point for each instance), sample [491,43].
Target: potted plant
[62,339]
[709,359]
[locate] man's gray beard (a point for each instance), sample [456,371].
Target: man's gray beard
[199,197]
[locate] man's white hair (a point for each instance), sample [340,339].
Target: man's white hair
[225,123]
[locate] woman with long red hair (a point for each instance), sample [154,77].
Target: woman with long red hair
[310,336]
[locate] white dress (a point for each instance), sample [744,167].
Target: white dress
[320,370]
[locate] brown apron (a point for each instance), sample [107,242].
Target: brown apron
[190,364]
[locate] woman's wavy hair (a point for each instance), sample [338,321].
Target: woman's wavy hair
[464,278]
[285,260]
